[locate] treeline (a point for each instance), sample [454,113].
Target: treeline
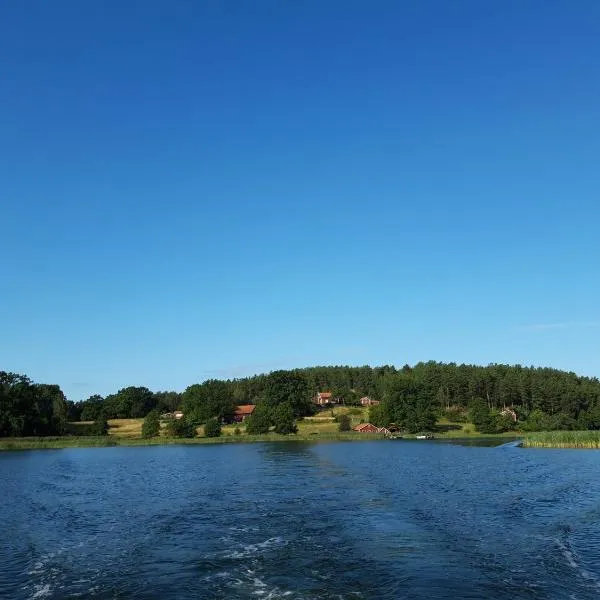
[128,403]
[31,409]
[411,397]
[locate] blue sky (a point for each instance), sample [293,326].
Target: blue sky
[213,189]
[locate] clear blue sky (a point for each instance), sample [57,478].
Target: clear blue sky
[212,189]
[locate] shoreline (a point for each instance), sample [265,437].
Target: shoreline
[112,441]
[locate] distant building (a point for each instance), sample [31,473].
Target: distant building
[509,413]
[366,428]
[172,415]
[242,412]
[366,401]
[323,398]
[370,428]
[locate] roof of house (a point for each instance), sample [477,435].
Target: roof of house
[325,394]
[363,426]
[244,409]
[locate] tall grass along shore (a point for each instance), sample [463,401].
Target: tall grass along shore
[562,439]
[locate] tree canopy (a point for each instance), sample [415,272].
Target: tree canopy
[30,409]
[411,397]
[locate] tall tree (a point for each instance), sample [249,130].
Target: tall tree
[212,398]
[289,387]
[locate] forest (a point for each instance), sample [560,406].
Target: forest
[412,397]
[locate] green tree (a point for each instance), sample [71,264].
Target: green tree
[181,428]
[91,408]
[212,428]
[344,423]
[537,420]
[479,415]
[167,401]
[201,402]
[289,387]
[100,425]
[132,402]
[74,411]
[283,419]
[260,420]
[151,424]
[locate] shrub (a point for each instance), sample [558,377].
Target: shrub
[259,422]
[283,417]
[181,428]
[100,426]
[237,431]
[212,428]
[151,425]
[344,423]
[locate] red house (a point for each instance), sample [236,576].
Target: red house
[366,428]
[242,412]
[323,398]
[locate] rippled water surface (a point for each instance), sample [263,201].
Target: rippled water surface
[297,520]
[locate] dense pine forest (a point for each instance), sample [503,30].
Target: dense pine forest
[413,397]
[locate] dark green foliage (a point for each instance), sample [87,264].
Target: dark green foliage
[283,419]
[480,416]
[379,415]
[260,420]
[100,425]
[237,431]
[91,408]
[344,423]
[590,419]
[29,409]
[151,424]
[212,428]
[181,428]
[486,420]
[289,387]
[201,402]
[129,403]
[406,404]
[74,411]
[167,402]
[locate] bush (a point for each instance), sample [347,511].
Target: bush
[344,423]
[181,428]
[212,428]
[237,431]
[151,425]
[100,426]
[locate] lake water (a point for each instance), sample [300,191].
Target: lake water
[297,520]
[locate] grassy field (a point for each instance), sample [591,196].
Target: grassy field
[562,439]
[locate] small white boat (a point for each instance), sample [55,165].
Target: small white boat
[426,436]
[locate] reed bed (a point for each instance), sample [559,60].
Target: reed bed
[562,439]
